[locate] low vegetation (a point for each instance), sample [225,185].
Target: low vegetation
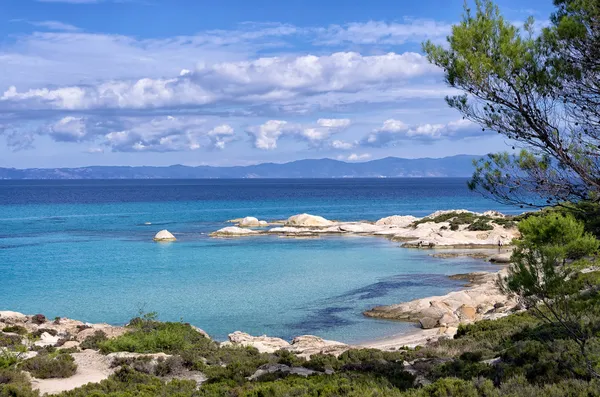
[44,366]
[472,221]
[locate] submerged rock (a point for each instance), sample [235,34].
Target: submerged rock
[308,220]
[164,235]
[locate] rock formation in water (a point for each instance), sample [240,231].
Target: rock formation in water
[164,235]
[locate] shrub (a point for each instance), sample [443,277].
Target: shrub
[480,225]
[38,319]
[15,329]
[94,341]
[44,366]
[9,340]
[15,384]
[157,337]
[38,332]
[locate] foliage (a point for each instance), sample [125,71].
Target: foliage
[9,340]
[544,278]
[93,341]
[38,319]
[15,329]
[541,92]
[45,366]
[15,384]
[475,222]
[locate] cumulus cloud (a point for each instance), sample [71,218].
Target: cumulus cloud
[221,135]
[141,134]
[355,157]
[395,130]
[342,145]
[68,129]
[265,136]
[264,80]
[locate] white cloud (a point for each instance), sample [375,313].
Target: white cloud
[262,81]
[379,32]
[355,157]
[55,25]
[265,136]
[221,135]
[395,130]
[334,123]
[68,129]
[342,145]
[94,150]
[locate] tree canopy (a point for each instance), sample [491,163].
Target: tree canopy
[539,89]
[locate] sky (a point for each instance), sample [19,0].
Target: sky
[230,82]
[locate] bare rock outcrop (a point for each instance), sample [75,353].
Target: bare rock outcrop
[233,231]
[308,220]
[482,301]
[397,220]
[251,221]
[264,344]
[303,346]
[164,236]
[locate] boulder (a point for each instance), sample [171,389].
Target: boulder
[397,220]
[466,313]
[47,339]
[231,231]
[281,368]
[428,322]
[501,258]
[448,319]
[251,221]
[164,235]
[307,220]
[307,345]
[264,344]
[359,228]
[9,317]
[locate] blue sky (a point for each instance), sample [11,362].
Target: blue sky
[150,82]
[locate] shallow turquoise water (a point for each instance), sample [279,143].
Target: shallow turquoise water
[83,250]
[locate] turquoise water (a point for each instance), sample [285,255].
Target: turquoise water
[82,250]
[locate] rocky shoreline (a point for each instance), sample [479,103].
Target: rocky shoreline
[442,229]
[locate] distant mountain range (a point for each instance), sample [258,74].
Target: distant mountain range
[389,167]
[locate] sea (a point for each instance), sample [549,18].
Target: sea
[83,249]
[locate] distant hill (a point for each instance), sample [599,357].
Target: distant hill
[389,167]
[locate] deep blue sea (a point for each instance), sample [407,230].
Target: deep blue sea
[82,249]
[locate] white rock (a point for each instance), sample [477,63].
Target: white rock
[264,344]
[359,228]
[308,220]
[397,220]
[47,339]
[11,317]
[233,231]
[249,221]
[164,235]
[292,230]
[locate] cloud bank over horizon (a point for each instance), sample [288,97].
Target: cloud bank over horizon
[255,91]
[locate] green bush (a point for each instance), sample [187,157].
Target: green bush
[9,340]
[94,341]
[15,384]
[156,337]
[44,366]
[15,329]
[480,225]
